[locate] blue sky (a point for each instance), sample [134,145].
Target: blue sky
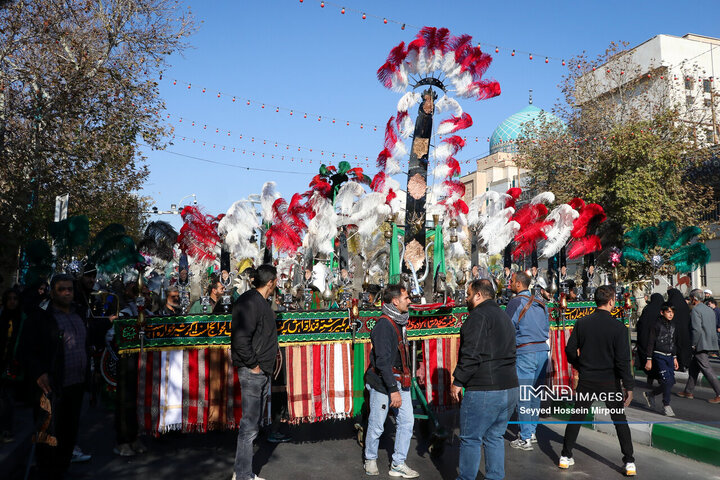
[310,59]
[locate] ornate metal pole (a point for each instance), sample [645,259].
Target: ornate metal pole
[417,177]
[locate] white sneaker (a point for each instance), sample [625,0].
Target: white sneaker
[402,471]
[234,477]
[371,467]
[566,462]
[521,444]
[533,438]
[630,469]
[667,409]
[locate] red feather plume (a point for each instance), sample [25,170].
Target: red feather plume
[583,246]
[454,167]
[485,89]
[528,214]
[198,235]
[459,123]
[390,196]
[399,119]
[514,193]
[577,203]
[320,184]
[454,187]
[378,182]
[528,237]
[390,134]
[592,212]
[285,233]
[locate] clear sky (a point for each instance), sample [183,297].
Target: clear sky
[314,60]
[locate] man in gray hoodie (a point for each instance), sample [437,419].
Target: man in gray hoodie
[704,340]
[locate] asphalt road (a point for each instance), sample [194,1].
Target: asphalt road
[329,451]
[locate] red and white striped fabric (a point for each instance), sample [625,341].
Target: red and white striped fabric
[191,390]
[560,368]
[440,356]
[319,382]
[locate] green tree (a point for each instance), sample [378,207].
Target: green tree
[625,143]
[78,92]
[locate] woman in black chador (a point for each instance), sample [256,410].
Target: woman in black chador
[648,317]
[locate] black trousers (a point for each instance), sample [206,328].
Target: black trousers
[53,462]
[621,427]
[126,421]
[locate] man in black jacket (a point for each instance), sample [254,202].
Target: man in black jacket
[254,350]
[384,380]
[599,348]
[58,363]
[486,369]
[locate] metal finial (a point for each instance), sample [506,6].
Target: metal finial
[530,96]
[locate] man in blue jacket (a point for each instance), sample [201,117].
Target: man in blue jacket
[532,325]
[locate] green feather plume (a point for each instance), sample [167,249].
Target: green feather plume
[690,257]
[632,237]
[633,254]
[70,234]
[112,250]
[40,258]
[685,236]
[648,239]
[666,234]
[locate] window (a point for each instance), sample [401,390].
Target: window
[689,100]
[688,83]
[706,86]
[703,275]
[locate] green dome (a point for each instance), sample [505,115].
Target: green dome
[504,137]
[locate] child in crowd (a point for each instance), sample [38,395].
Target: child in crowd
[662,346]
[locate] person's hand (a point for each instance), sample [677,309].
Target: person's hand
[456,393]
[675,364]
[257,370]
[113,318]
[628,397]
[648,364]
[44,383]
[395,400]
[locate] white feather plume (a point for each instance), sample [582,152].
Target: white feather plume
[369,212]
[502,237]
[407,101]
[399,80]
[495,231]
[267,198]
[448,104]
[445,128]
[558,233]
[347,196]
[406,127]
[544,197]
[238,226]
[323,227]
[442,152]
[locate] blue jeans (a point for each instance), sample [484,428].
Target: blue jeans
[484,416]
[255,388]
[379,406]
[531,370]
[664,365]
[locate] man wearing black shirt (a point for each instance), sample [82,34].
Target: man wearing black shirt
[254,347]
[599,349]
[486,369]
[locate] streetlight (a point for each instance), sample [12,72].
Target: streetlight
[174,206]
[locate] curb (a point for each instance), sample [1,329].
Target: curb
[692,440]
[682,376]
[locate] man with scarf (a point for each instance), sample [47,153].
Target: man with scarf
[388,381]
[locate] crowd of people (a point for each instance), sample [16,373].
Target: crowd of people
[50,333]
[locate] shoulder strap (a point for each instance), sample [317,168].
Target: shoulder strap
[528,304]
[401,345]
